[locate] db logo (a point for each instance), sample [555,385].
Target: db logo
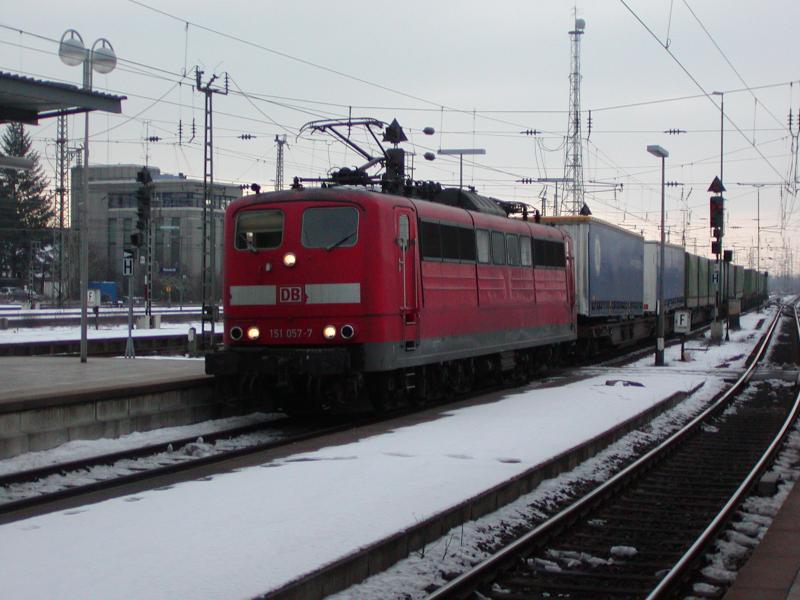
[288,295]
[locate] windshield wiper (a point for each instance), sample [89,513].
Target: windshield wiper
[341,241]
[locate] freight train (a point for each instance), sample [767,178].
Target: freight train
[354,297]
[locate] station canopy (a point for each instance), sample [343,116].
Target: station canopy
[27,100]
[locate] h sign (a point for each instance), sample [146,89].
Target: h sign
[127,266]
[290,294]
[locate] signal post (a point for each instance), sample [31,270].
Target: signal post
[716,222]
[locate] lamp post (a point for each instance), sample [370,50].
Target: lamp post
[555,180]
[659,152]
[102,59]
[460,152]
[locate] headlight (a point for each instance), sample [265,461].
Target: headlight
[253,333]
[289,259]
[329,332]
[236,333]
[348,331]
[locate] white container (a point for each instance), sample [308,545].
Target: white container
[674,276]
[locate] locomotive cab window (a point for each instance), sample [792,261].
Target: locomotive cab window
[258,230]
[330,227]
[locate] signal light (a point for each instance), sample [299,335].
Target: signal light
[717,207]
[143,177]
[143,199]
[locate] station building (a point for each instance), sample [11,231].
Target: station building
[177,218]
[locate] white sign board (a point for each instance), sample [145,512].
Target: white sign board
[93,297]
[127,266]
[683,321]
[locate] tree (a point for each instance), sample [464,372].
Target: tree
[26,207]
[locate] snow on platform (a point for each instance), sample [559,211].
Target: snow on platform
[243,533]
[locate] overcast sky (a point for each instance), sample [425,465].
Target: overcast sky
[478,74]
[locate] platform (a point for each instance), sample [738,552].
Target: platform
[37,382]
[773,570]
[47,401]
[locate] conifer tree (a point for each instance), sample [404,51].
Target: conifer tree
[26,206]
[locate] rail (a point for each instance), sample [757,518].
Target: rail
[465,584]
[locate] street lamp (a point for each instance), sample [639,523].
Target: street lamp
[555,180]
[659,152]
[460,152]
[102,59]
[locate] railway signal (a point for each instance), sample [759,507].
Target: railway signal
[143,198]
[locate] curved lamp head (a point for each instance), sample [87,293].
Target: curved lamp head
[104,60]
[71,50]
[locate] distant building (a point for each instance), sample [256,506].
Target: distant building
[177,214]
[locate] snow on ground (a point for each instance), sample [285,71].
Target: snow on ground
[242,533]
[18,335]
[81,449]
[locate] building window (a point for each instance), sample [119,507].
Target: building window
[126,231]
[112,245]
[175,243]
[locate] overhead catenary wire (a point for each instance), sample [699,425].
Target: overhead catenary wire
[699,86]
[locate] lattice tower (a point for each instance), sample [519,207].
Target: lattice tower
[572,200]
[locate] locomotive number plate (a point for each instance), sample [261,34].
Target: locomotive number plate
[290,334]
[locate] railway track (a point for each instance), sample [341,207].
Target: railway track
[36,489]
[644,532]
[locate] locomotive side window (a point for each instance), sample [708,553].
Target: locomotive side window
[329,227]
[512,249]
[449,242]
[525,251]
[466,244]
[258,230]
[440,241]
[484,248]
[498,248]
[430,240]
[549,254]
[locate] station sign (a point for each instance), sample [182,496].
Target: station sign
[683,321]
[127,263]
[93,297]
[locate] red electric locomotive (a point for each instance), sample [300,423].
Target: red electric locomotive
[355,300]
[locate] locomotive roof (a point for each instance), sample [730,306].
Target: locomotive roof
[465,201]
